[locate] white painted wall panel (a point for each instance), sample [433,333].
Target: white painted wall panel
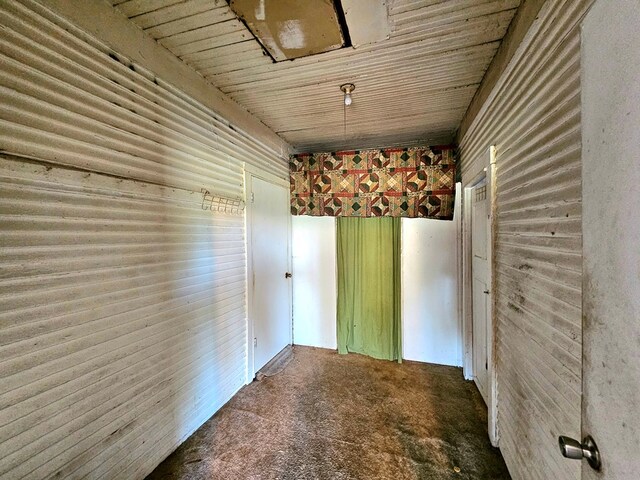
[533,118]
[314,281]
[122,301]
[430,328]
[429,287]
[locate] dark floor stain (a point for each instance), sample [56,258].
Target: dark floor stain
[330,416]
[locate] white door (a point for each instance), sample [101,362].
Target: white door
[270,298]
[611,237]
[480,287]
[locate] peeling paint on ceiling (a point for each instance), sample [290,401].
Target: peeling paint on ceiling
[291,29]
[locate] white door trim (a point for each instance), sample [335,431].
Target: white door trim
[489,172]
[458,218]
[266,176]
[250,173]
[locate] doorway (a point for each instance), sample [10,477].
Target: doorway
[268,266]
[478,212]
[480,287]
[368,281]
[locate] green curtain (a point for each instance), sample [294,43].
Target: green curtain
[369,286]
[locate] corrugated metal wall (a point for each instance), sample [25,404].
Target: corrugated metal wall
[533,118]
[122,301]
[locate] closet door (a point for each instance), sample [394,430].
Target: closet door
[480,288]
[270,260]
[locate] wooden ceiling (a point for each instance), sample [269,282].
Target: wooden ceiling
[412,88]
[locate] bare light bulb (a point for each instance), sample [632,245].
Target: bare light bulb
[347,88]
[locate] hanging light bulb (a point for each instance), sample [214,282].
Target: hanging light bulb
[347,88]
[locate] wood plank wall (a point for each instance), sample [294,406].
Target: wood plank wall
[533,119]
[122,301]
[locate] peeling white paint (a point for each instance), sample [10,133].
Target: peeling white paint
[291,35]
[260,12]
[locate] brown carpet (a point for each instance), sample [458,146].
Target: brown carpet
[330,416]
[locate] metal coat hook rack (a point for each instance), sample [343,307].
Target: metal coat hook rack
[219,204]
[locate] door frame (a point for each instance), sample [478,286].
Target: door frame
[250,173]
[489,172]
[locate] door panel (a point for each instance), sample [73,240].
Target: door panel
[611,237]
[480,336]
[480,288]
[270,260]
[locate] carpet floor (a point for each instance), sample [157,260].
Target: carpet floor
[330,416]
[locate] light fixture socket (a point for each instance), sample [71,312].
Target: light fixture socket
[347,88]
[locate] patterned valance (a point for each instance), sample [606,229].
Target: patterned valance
[393,182]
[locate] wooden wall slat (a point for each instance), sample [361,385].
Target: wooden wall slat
[533,118]
[122,301]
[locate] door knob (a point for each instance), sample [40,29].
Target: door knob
[575,450]
[288,275]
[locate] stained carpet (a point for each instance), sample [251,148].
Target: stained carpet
[330,416]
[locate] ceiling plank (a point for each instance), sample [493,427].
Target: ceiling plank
[112,27]
[428,70]
[522,21]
